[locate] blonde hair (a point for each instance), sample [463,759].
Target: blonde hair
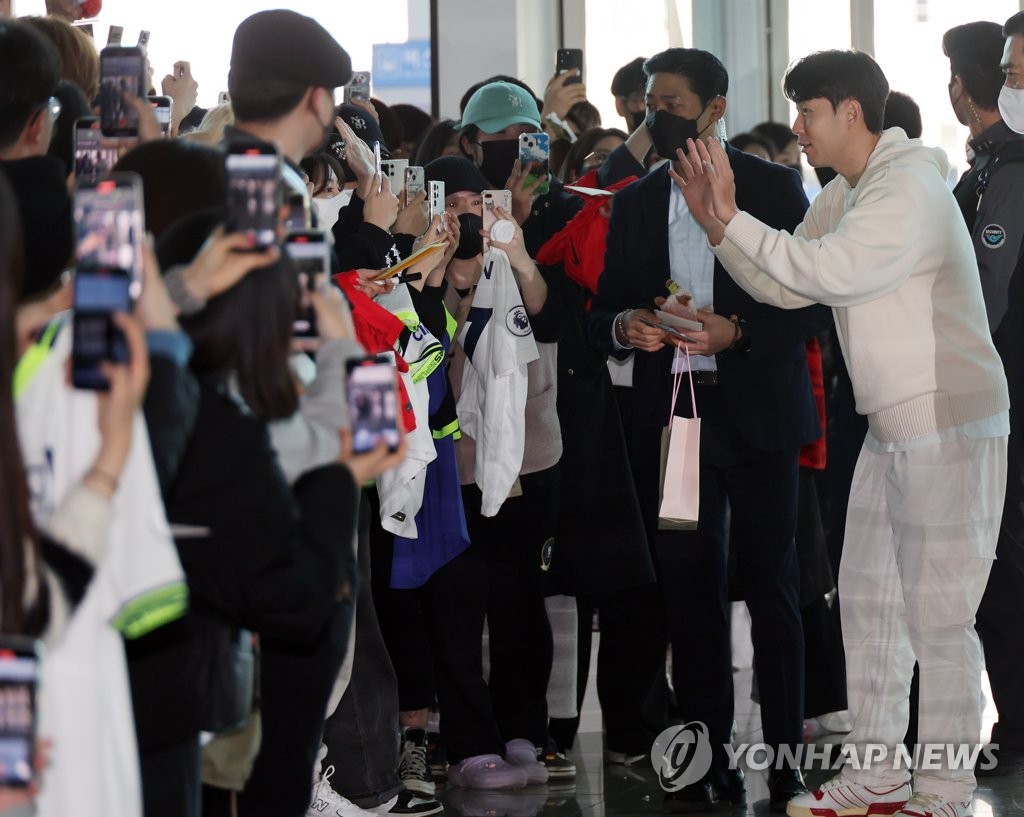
[211,129]
[79,59]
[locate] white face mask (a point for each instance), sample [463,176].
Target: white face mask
[327,209]
[1011,107]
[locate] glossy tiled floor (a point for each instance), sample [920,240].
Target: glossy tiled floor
[613,791]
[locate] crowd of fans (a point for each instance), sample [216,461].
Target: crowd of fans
[247,610]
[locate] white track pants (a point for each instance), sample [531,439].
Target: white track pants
[920,539]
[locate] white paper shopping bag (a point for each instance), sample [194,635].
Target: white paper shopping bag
[680,464]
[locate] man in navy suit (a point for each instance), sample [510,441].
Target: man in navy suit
[754,396]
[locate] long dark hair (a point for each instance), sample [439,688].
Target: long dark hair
[18,536]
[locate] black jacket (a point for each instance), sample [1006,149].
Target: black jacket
[767,389]
[275,560]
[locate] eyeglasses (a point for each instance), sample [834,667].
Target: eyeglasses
[596,159]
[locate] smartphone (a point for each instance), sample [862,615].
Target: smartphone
[358,87]
[19,681]
[114,35]
[109,225]
[87,28]
[373,402]
[92,159]
[378,167]
[253,193]
[143,39]
[162,109]
[310,251]
[435,199]
[492,199]
[122,70]
[223,98]
[394,170]
[415,183]
[535,149]
[95,338]
[568,58]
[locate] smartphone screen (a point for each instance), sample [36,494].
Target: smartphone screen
[373,403]
[162,109]
[92,159]
[534,149]
[95,338]
[121,72]
[254,194]
[19,679]
[568,58]
[308,250]
[109,228]
[359,87]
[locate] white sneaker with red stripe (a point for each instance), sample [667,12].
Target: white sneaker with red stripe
[932,805]
[839,797]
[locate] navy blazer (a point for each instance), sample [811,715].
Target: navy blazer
[766,390]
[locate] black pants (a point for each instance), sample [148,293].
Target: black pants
[757,492]
[500,577]
[170,778]
[294,688]
[631,683]
[362,733]
[999,621]
[402,624]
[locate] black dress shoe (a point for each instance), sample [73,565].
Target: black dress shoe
[730,789]
[698,796]
[1009,763]
[783,786]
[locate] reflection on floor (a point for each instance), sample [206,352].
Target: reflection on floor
[614,791]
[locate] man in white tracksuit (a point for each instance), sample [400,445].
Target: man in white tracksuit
[884,245]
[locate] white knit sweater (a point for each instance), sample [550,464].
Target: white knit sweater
[893,259]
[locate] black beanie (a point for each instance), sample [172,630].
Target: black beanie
[287,46]
[457,173]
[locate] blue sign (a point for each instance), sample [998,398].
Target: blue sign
[401,64]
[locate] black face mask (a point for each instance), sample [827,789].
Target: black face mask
[471,243]
[499,157]
[669,132]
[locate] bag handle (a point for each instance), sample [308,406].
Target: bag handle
[678,381]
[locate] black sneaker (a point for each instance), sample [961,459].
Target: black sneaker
[437,757]
[558,765]
[412,768]
[407,803]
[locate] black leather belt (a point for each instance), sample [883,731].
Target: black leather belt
[705,378]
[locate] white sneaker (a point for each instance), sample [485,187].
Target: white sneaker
[839,797]
[326,801]
[932,805]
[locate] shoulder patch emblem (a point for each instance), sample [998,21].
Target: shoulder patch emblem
[993,236]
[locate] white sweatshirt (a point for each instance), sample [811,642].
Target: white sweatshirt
[893,259]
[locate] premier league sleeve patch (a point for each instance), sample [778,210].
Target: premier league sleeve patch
[993,236]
